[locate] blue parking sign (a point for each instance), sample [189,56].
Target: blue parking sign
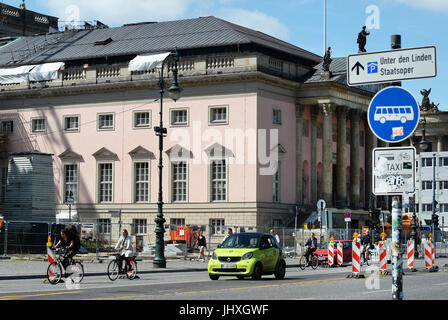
[393,114]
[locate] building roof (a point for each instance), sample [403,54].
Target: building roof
[133,39]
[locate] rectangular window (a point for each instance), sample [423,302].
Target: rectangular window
[105,183]
[141,170]
[38,125]
[70,182]
[177,221]
[218,115]
[106,121]
[142,119]
[179,117]
[139,226]
[104,226]
[71,123]
[218,180]
[443,162]
[218,226]
[4,182]
[276,223]
[443,185]
[444,208]
[427,207]
[276,185]
[427,162]
[426,185]
[179,181]
[277,116]
[7,126]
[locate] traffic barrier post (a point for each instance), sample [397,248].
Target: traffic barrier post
[411,256]
[356,254]
[331,252]
[340,251]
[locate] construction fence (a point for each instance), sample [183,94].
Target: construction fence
[100,238]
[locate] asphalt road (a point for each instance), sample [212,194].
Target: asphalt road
[323,284]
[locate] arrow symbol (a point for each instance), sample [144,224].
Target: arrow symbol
[357,66]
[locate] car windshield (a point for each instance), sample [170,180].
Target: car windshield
[241,240]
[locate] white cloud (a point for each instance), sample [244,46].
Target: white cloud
[255,20]
[436,5]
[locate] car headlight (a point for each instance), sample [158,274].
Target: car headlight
[248,255]
[215,257]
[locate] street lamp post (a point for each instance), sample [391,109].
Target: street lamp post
[413,225]
[161,132]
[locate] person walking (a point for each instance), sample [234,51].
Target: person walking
[275,236]
[228,234]
[202,245]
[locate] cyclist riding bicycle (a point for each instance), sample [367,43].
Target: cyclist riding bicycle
[311,245]
[366,243]
[71,242]
[126,251]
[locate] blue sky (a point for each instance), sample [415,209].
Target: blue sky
[300,22]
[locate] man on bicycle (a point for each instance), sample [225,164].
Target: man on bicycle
[71,243]
[125,247]
[366,242]
[311,245]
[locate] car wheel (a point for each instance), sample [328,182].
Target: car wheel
[256,275]
[213,277]
[280,270]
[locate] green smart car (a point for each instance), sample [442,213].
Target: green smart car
[247,255]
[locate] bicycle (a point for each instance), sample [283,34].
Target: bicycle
[314,262]
[365,252]
[56,270]
[114,267]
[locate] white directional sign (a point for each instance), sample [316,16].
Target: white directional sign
[390,66]
[393,171]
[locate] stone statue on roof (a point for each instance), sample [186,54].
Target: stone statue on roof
[327,60]
[22,5]
[427,106]
[362,39]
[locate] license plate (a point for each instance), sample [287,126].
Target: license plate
[228,266]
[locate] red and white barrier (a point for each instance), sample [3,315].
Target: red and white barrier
[433,247]
[51,255]
[428,255]
[356,254]
[339,253]
[410,254]
[331,254]
[383,256]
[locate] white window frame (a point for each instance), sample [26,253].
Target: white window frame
[4,121]
[179,124]
[105,222]
[218,223]
[98,181]
[443,185]
[37,119]
[177,221]
[98,119]
[425,184]
[210,174]
[64,184]
[274,118]
[134,119]
[134,180]
[136,226]
[442,160]
[218,123]
[77,129]
[173,163]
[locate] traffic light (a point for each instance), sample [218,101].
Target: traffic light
[435,220]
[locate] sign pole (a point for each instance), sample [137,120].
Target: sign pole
[397,262]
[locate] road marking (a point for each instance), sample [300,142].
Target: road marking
[225,289]
[377,291]
[37,295]
[440,284]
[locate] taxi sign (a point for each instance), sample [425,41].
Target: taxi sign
[393,114]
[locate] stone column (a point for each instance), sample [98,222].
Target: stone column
[327,152]
[314,113]
[354,159]
[342,157]
[299,173]
[439,144]
[370,145]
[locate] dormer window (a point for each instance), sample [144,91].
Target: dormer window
[104,42]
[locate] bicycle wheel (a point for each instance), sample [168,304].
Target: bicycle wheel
[302,263]
[132,272]
[314,262]
[113,270]
[54,273]
[369,259]
[78,272]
